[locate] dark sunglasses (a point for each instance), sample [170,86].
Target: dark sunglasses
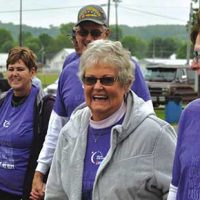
[93,33]
[196,55]
[107,81]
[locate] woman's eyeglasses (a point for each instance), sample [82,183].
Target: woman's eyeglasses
[94,33]
[196,56]
[107,81]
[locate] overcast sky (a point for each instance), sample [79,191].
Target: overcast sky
[42,13]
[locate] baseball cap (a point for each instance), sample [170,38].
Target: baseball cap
[93,13]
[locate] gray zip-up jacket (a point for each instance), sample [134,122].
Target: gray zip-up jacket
[137,166]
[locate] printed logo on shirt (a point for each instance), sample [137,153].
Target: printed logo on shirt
[6,156]
[6,124]
[7,166]
[6,162]
[97,157]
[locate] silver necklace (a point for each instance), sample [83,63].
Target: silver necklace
[96,137]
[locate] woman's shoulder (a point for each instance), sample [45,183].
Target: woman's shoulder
[71,67]
[193,106]
[78,121]
[156,129]
[81,114]
[4,95]
[191,111]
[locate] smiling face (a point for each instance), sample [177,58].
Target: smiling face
[92,29]
[103,100]
[20,78]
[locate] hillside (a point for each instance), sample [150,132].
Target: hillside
[163,31]
[14,29]
[146,32]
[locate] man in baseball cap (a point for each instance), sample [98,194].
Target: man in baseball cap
[91,25]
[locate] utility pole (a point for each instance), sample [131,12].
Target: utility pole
[116,19]
[108,13]
[153,49]
[20,24]
[116,22]
[188,35]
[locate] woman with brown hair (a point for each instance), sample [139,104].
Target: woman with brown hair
[21,137]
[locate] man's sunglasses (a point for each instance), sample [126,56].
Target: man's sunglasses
[107,81]
[94,33]
[196,55]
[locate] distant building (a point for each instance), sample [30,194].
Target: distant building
[56,62]
[3,58]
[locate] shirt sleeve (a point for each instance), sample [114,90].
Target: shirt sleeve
[56,123]
[177,165]
[70,58]
[70,92]
[172,192]
[59,106]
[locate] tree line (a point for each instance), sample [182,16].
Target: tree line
[45,45]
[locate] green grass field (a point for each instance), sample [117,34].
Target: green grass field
[47,78]
[160,113]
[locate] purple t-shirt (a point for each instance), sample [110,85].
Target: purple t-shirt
[16,135]
[98,144]
[70,58]
[140,86]
[186,169]
[70,90]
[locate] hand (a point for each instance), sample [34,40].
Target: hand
[38,187]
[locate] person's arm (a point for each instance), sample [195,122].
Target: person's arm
[57,120]
[176,172]
[54,189]
[163,159]
[38,187]
[140,86]
[172,192]
[56,123]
